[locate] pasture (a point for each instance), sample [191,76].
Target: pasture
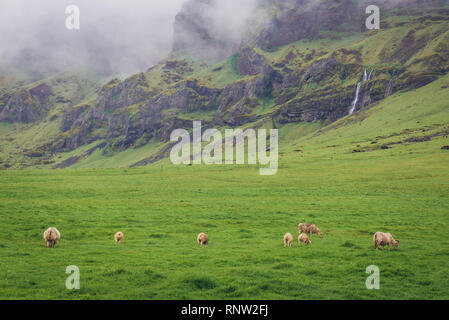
[383,169]
[161,210]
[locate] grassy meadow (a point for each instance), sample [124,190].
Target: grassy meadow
[161,210]
[402,188]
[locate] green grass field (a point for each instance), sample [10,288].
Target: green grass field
[246,215]
[403,190]
[381,169]
[349,195]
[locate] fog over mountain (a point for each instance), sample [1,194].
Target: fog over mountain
[214,29]
[116,36]
[120,37]
[231,63]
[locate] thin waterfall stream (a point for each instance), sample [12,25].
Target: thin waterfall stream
[366,77]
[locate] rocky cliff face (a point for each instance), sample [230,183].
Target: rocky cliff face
[250,63]
[274,23]
[157,116]
[305,19]
[26,105]
[21,107]
[133,114]
[267,76]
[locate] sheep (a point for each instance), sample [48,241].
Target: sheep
[118,237]
[303,238]
[51,237]
[288,239]
[202,239]
[309,229]
[384,239]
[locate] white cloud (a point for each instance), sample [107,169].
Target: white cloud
[115,35]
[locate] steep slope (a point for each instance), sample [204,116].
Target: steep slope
[394,127]
[32,116]
[397,125]
[290,69]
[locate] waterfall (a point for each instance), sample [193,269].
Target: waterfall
[354,103]
[366,77]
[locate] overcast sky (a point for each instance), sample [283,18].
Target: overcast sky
[116,36]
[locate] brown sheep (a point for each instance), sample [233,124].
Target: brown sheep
[309,229]
[288,239]
[202,239]
[118,237]
[384,239]
[303,238]
[51,237]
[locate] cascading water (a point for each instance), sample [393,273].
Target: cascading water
[366,77]
[354,103]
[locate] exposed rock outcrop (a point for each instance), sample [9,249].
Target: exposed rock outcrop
[22,107]
[327,104]
[117,94]
[239,99]
[261,82]
[251,63]
[306,18]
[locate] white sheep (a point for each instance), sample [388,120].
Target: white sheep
[51,237]
[118,237]
[288,239]
[202,239]
[303,238]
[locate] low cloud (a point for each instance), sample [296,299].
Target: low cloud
[116,36]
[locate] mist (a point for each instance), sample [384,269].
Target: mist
[120,37]
[213,29]
[115,36]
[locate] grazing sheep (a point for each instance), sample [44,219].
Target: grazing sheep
[51,237]
[303,238]
[118,237]
[288,239]
[202,239]
[384,239]
[309,229]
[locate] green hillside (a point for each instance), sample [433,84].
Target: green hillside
[308,83]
